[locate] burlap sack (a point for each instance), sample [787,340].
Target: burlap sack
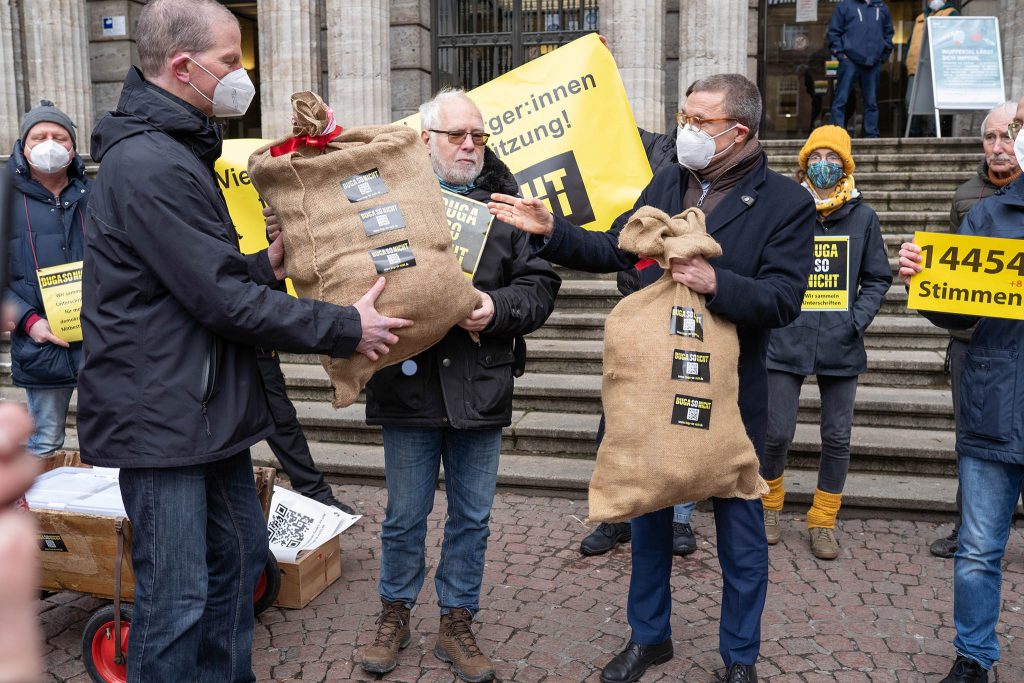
[328,242]
[673,431]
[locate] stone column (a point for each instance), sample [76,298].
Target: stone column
[359,61]
[712,39]
[289,35]
[10,116]
[57,58]
[635,36]
[1011,25]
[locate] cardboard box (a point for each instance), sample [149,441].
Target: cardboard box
[310,575]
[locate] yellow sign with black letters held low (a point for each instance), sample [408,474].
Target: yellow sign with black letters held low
[979,276]
[61,289]
[828,282]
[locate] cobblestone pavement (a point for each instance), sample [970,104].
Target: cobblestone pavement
[881,612]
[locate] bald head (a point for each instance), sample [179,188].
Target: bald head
[170,27]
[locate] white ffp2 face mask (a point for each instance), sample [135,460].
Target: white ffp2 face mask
[936,5]
[233,93]
[49,156]
[695,149]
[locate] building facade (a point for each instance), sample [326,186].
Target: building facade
[376,60]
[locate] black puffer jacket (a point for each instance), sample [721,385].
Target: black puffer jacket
[832,342]
[172,309]
[55,238]
[460,383]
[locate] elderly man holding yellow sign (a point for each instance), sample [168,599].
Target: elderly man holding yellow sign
[977,277]
[47,214]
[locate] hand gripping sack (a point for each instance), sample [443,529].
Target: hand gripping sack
[356,204]
[673,431]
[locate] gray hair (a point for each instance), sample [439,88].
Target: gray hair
[742,98]
[170,26]
[1008,108]
[430,111]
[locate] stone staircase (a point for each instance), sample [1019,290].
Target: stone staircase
[903,439]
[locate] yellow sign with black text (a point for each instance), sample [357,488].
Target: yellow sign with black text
[979,276]
[563,126]
[61,289]
[828,283]
[244,203]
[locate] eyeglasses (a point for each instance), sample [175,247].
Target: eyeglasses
[684,119]
[457,136]
[1013,128]
[833,158]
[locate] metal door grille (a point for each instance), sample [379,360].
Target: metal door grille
[475,41]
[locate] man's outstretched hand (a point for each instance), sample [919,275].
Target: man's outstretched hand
[377,336]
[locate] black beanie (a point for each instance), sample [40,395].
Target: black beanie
[47,112]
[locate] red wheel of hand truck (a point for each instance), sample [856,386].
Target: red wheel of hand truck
[99,645]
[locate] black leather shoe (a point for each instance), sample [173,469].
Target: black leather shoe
[341,506]
[966,671]
[741,673]
[605,537]
[946,546]
[630,664]
[683,541]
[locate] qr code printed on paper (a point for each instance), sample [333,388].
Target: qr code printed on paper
[383,220]
[692,414]
[287,527]
[692,368]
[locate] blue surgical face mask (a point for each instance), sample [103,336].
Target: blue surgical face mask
[824,174]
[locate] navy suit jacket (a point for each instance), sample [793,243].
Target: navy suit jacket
[765,226]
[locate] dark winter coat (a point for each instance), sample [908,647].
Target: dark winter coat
[56,238]
[765,225]
[832,342]
[172,309]
[977,187]
[862,31]
[457,382]
[991,421]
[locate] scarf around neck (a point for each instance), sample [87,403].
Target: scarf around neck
[844,191]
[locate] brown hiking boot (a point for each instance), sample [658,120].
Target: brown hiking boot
[824,544]
[457,646]
[771,526]
[393,634]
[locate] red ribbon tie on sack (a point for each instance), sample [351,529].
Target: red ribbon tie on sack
[317,141]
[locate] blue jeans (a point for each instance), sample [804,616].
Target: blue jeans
[199,544]
[49,410]
[990,492]
[743,556]
[682,513]
[868,78]
[412,456]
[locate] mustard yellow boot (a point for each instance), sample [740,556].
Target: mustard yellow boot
[772,502]
[821,522]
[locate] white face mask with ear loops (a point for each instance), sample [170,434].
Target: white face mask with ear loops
[233,93]
[49,156]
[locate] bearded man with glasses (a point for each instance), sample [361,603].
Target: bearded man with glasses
[449,404]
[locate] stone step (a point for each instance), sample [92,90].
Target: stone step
[865,492]
[960,145]
[908,222]
[888,162]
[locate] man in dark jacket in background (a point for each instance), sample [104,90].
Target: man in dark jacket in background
[49,199]
[998,169]
[860,37]
[449,404]
[169,390]
[765,225]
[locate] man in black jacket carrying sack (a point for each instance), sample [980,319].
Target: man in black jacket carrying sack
[169,389]
[765,225]
[449,405]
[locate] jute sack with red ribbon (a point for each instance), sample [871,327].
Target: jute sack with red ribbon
[356,204]
[670,389]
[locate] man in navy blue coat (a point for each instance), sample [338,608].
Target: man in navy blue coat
[860,37]
[765,224]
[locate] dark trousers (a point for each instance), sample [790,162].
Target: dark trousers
[867,76]
[289,443]
[743,556]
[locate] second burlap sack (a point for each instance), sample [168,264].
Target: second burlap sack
[673,431]
[365,203]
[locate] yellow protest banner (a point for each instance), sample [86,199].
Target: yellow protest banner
[244,202]
[982,276]
[828,283]
[563,125]
[61,289]
[470,223]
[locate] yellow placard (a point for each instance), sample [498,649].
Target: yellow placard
[563,125]
[244,203]
[981,276]
[61,289]
[828,282]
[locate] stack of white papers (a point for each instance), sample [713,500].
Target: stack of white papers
[93,491]
[298,524]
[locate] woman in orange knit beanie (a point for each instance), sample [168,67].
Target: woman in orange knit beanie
[846,287]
